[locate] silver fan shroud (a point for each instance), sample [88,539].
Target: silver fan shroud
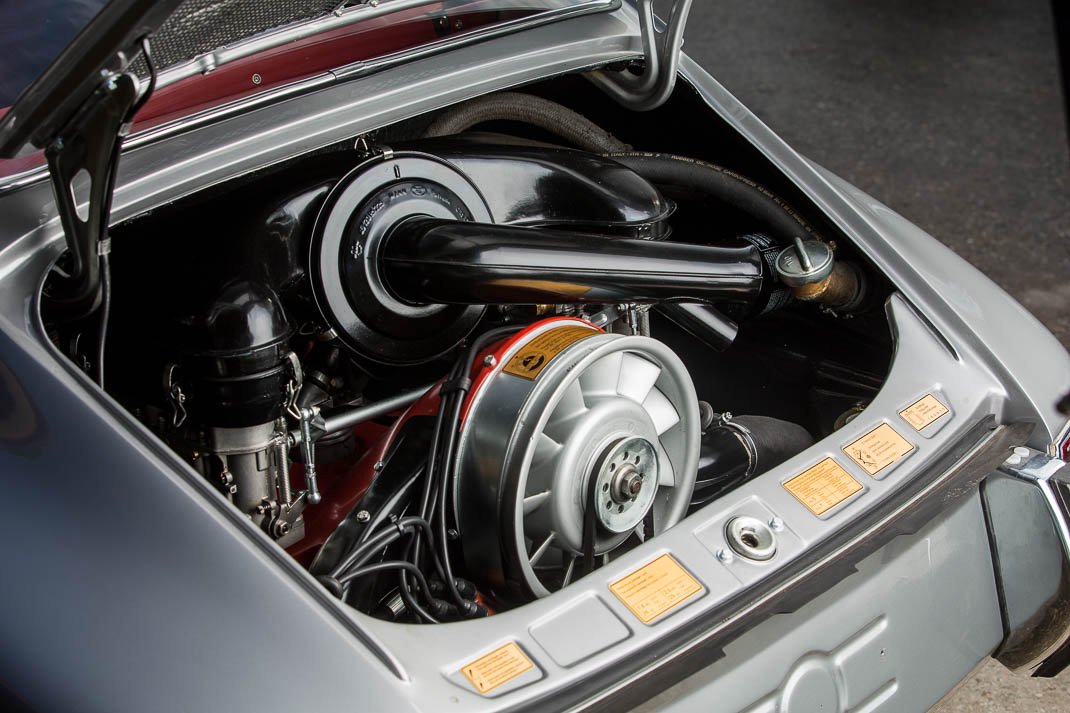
[529,447]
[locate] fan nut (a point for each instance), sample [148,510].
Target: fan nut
[627,484]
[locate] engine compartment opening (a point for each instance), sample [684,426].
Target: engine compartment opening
[460,362]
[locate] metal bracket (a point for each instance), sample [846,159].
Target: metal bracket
[87,149]
[661,50]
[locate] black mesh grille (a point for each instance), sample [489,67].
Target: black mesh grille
[200,26]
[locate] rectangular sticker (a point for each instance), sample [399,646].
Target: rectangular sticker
[534,356]
[878,449]
[497,668]
[923,412]
[823,486]
[655,588]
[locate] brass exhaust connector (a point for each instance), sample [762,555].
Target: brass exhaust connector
[810,269]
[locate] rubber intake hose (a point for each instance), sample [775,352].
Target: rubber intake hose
[680,177]
[549,116]
[431,261]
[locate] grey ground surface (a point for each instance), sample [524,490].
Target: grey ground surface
[951,113]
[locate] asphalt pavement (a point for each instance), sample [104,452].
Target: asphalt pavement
[951,113]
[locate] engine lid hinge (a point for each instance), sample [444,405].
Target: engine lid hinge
[83,158]
[82,161]
[661,59]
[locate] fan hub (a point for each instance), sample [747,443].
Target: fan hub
[626,482]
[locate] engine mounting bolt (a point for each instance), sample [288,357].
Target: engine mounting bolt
[1021,451]
[776,524]
[379,465]
[724,555]
[1013,459]
[489,360]
[363,516]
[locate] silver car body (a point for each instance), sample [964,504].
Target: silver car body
[132,585]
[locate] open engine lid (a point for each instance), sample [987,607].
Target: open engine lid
[195,37]
[105,46]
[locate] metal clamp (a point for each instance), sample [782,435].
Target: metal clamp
[175,396]
[661,50]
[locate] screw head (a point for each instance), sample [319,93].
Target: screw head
[257,79]
[379,465]
[363,516]
[1013,459]
[776,524]
[724,555]
[489,360]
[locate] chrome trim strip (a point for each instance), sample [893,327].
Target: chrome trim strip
[955,475]
[20,180]
[483,33]
[217,113]
[341,17]
[357,69]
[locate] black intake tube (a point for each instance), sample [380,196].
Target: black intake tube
[433,261]
[735,451]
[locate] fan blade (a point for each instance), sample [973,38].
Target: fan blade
[546,449]
[600,379]
[542,549]
[637,377]
[666,475]
[569,570]
[661,411]
[568,409]
[533,502]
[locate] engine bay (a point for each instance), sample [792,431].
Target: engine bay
[455,365]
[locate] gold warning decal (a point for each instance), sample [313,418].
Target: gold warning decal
[534,356]
[924,412]
[497,668]
[823,486]
[655,588]
[878,449]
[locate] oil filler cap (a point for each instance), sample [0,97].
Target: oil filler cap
[804,263]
